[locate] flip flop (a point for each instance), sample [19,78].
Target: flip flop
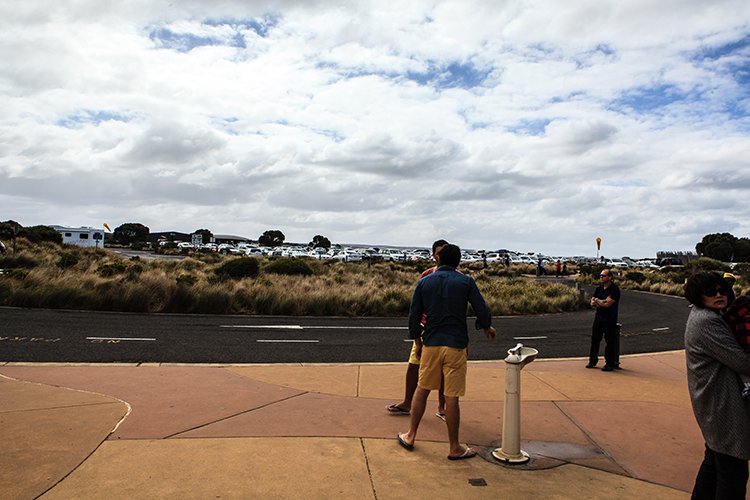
[396,410]
[441,416]
[403,443]
[468,453]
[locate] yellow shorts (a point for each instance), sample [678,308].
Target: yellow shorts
[413,359]
[448,363]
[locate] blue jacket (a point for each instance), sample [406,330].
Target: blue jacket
[444,296]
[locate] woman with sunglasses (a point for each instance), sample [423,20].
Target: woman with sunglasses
[714,359]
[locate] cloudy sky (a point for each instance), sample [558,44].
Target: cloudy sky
[528,125]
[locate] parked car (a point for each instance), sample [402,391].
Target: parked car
[392,254]
[348,256]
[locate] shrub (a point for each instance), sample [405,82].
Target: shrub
[67,259]
[290,267]
[707,264]
[213,301]
[134,271]
[592,269]
[186,279]
[16,261]
[636,276]
[18,274]
[243,267]
[111,269]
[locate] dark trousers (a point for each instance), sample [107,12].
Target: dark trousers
[721,477]
[610,332]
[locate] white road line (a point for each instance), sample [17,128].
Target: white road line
[529,338]
[280,327]
[119,338]
[314,327]
[660,329]
[285,341]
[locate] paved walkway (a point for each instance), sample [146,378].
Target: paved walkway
[321,431]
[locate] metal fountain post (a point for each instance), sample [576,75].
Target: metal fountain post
[511,452]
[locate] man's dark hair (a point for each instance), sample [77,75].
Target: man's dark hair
[450,255]
[699,283]
[438,243]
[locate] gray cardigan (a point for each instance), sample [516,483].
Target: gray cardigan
[714,358]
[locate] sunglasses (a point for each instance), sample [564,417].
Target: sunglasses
[711,292]
[604,275]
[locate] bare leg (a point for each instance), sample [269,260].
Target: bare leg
[410,385]
[418,405]
[453,419]
[441,397]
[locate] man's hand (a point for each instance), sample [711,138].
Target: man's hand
[490,333]
[418,348]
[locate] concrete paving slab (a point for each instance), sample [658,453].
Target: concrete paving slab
[17,395]
[165,400]
[44,439]
[222,468]
[340,380]
[426,473]
[637,435]
[622,385]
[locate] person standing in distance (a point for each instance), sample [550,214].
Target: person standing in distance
[444,297]
[606,300]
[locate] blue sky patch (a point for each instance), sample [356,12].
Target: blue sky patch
[91,117]
[259,26]
[649,99]
[453,75]
[181,41]
[731,48]
[529,127]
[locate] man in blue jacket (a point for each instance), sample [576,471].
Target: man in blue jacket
[444,297]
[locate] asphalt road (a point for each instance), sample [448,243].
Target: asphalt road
[651,323]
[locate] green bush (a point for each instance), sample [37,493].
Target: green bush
[111,269]
[707,264]
[592,270]
[67,259]
[243,267]
[134,271]
[291,267]
[635,276]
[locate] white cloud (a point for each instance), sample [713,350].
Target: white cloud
[530,125]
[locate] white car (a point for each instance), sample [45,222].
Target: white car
[348,256]
[254,252]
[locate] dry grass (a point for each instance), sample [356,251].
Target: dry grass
[74,278]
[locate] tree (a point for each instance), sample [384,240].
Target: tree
[205,234]
[320,241]
[9,229]
[130,232]
[719,250]
[742,250]
[703,247]
[37,234]
[272,238]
